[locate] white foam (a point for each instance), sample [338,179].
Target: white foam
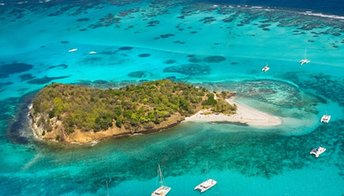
[310,13]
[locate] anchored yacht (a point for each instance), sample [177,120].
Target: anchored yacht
[304,60]
[162,190]
[204,186]
[317,151]
[325,118]
[266,68]
[73,50]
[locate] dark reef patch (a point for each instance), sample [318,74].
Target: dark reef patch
[108,52]
[140,74]
[13,68]
[100,82]
[170,61]
[91,60]
[269,91]
[106,21]
[144,55]
[5,84]
[18,130]
[214,59]
[334,88]
[125,48]
[63,66]
[195,60]
[26,77]
[45,79]
[189,69]
[152,23]
[208,20]
[164,36]
[82,19]
[179,42]
[208,59]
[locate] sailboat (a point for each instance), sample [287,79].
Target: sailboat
[304,60]
[162,190]
[266,68]
[206,185]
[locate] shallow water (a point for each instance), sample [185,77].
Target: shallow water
[221,47]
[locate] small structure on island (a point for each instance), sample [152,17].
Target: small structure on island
[317,151]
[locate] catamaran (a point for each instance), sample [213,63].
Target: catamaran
[304,60]
[162,190]
[204,186]
[73,50]
[317,151]
[266,68]
[325,118]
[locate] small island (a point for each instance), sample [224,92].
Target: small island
[81,114]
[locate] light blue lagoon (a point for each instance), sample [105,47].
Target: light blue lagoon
[220,47]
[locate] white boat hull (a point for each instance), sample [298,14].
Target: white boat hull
[325,118]
[317,151]
[161,191]
[206,185]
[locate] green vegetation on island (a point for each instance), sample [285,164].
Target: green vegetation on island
[133,108]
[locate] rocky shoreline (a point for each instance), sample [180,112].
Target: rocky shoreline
[91,138]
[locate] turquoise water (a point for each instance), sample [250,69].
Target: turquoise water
[219,48]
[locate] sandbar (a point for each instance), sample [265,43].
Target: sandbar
[244,115]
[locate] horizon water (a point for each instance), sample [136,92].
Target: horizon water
[221,47]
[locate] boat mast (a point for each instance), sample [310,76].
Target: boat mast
[161,179]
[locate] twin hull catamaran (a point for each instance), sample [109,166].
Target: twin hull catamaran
[304,60]
[204,186]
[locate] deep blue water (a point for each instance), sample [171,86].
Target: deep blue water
[335,7]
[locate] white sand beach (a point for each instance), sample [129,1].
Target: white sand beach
[245,114]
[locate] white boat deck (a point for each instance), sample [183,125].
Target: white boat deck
[266,68]
[161,191]
[73,50]
[317,151]
[204,186]
[325,118]
[304,61]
